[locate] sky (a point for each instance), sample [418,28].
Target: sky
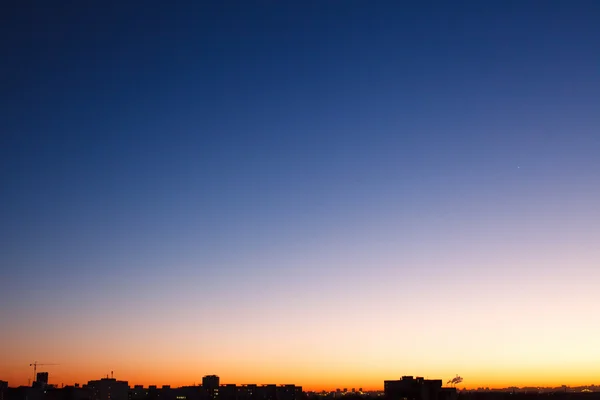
[325,193]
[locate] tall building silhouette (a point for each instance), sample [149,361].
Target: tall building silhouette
[3,389]
[42,378]
[211,381]
[210,386]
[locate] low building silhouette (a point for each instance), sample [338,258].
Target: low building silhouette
[138,392]
[108,389]
[409,388]
[222,392]
[67,393]
[112,389]
[25,393]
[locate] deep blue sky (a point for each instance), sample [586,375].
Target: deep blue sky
[216,145]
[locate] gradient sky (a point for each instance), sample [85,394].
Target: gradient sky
[327,193]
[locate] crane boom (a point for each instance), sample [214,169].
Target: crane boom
[34,365]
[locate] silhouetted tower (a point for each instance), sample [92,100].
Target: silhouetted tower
[210,386]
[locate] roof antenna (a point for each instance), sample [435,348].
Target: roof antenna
[111,374]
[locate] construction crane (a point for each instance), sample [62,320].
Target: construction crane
[34,365]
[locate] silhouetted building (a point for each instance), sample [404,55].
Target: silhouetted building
[67,393]
[188,393]
[108,389]
[153,393]
[165,393]
[24,393]
[409,388]
[210,386]
[211,381]
[289,392]
[42,378]
[448,393]
[138,393]
[227,392]
[3,389]
[112,389]
[268,392]
[247,392]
